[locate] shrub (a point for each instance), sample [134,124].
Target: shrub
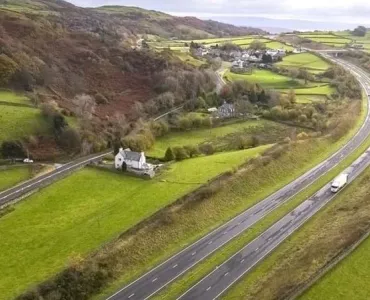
[70,140]
[192,150]
[302,118]
[101,99]
[207,149]
[180,153]
[302,136]
[169,155]
[7,69]
[13,149]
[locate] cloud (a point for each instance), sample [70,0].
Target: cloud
[344,11]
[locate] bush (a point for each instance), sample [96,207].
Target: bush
[302,118]
[169,155]
[207,149]
[7,69]
[180,153]
[192,151]
[302,136]
[101,99]
[70,140]
[13,149]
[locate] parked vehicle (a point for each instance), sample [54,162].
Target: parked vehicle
[339,182]
[28,161]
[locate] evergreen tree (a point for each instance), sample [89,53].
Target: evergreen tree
[169,155]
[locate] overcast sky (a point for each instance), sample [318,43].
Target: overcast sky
[342,11]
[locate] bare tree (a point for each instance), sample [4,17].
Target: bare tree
[84,106]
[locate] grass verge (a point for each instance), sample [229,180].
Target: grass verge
[13,175]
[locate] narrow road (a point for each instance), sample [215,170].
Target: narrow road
[222,278]
[157,278]
[32,185]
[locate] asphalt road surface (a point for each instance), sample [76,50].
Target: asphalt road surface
[160,276]
[224,276]
[32,185]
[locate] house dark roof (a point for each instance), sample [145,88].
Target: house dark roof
[130,155]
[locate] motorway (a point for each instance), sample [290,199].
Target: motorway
[27,187]
[224,276]
[159,277]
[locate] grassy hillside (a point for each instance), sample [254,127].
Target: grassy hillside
[164,25]
[19,122]
[62,222]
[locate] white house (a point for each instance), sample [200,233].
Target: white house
[226,110]
[130,159]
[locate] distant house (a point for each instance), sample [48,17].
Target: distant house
[226,110]
[129,159]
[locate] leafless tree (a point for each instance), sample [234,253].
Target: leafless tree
[84,106]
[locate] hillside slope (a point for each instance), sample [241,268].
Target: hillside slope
[139,20]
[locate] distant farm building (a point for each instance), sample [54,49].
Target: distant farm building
[226,110]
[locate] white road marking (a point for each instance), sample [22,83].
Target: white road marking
[193,253]
[242,261]
[131,296]
[155,279]
[256,249]
[210,243]
[174,266]
[208,288]
[227,273]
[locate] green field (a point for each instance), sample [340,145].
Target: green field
[266,78]
[348,280]
[223,40]
[62,221]
[278,45]
[318,90]
[18,122]
[195,137]
[13,98]
[13,175]
[308,61]
[186,57]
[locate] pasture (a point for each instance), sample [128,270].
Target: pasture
[10,97]
[266,78]
[18,122]
[308,61]
[63,222]
[216,135]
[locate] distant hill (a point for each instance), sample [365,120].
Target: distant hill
[157,23]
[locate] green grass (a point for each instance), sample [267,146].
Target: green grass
[195,137]
[318,90]
[13,175]
[266,78]
[348,280]
[18,122]
[310,98]
[62,221]
[278,45]
[186,57]
[13,98]
[224,40]
[305,60]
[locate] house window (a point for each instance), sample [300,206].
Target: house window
[120,159]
